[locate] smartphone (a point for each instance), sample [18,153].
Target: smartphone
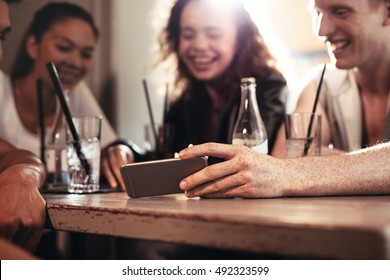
[158,177]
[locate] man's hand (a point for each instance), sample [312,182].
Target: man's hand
[244,173]
[22,208]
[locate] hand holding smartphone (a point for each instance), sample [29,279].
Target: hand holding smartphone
[158,177]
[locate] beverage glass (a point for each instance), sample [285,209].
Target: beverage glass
[158,144]
[79,181]
[299,140]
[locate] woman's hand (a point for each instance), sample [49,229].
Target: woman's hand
[244,173]
[112,159]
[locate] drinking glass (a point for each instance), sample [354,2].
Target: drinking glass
[303,134]
[80,178]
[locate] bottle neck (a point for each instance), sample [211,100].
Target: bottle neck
[248,97]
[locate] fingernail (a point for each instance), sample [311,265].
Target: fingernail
[183,185]
[189,193]
[182,153]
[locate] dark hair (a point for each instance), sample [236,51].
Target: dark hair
[43,20]
[252,56]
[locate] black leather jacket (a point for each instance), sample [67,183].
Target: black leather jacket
[191,116]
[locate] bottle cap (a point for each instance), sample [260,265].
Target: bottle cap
[248,81]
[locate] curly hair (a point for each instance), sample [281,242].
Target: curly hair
[252,56]
[43,20]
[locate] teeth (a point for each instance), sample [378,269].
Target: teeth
[337,45]
[202,60]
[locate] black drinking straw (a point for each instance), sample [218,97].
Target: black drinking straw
[60,94]
[308,142]
[41,119]
[150,111]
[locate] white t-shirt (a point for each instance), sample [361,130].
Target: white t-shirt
[81,102]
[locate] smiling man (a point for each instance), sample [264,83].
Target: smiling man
[354,98]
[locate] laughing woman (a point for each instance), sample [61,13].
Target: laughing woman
[213,45]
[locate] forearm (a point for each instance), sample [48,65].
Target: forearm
[364,172]
[23,162]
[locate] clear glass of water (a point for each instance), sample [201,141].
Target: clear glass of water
[303,138]
[79,180]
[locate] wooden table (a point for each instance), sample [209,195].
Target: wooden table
[355,227]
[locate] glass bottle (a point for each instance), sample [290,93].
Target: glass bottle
[249,129]
[55,153]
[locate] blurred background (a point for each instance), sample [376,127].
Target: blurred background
[127,37]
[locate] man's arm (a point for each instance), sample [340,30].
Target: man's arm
[363,172]
[22,208]
[247,173]
[10,156]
